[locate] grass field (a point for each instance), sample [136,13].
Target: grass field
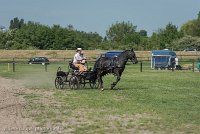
[143,102]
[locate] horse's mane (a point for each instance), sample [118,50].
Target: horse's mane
[124,52]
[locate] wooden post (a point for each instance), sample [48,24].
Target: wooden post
[13,64]
[141,66]
[8,66]
[193,65]
[45,67]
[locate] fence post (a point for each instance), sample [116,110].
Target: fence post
[13,64]
[45,67]
[193,65]
[141,66]
[8,67]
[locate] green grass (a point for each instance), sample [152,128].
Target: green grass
[154,101]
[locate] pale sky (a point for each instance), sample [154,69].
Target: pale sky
[99,15]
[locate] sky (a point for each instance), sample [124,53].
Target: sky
[99,15]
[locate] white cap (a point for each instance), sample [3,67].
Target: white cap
[79,49]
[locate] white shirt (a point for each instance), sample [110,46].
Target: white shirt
[78,58]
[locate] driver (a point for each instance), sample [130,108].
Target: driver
[79,60]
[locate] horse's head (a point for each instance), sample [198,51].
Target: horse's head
[132,56]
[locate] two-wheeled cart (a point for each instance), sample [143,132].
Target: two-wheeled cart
[74,79]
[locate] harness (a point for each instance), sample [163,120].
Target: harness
[112,61]
[115,63]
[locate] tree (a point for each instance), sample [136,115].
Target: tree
[192,27]
[171,33]
[118,31]
[155,41]
[123,35]
[198,18]
[164,37]
[143,33]
[16,23]
[187,42]
[2,39]
[188,28]
[197,26]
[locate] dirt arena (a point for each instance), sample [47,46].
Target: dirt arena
[12,113]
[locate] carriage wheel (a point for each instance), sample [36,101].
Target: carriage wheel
[74,82]
[82,82]
[59,83]
[94,84]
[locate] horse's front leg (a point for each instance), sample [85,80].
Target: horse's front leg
[117,80]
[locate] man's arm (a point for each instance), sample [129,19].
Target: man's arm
[78,58]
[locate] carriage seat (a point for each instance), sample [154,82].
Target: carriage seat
[62,74]
[72,66]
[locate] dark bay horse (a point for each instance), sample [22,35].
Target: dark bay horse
[115,65]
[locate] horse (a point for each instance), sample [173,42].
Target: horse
[115,66]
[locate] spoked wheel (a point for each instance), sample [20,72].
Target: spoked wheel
[59,83]
[82,82]
[94,84]
[74,82]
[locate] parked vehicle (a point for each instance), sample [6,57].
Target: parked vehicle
[190,50]
[38,60]
[110,54]
[163,59]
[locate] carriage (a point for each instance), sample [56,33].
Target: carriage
[102,66]
[74,79]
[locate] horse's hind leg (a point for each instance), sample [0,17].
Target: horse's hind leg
[99,77]
[117,80]
[101,86]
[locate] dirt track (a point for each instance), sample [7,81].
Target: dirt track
[12,113]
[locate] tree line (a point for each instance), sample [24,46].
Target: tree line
[120,35]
